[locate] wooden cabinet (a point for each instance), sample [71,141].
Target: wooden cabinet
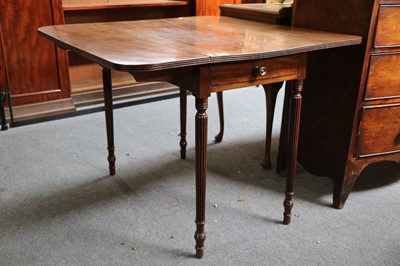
[351,107]
[36,69]
[44,80]
[85,76]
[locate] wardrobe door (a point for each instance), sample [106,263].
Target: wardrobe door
[37,70]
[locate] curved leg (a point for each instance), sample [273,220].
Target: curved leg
[271,92]
[201,173]
[220,135]
[183,114]
[344,184]
[107,87]
[294,126]
[283,139]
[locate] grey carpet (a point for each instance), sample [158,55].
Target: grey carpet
[58,206]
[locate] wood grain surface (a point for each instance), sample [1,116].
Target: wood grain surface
[149,45]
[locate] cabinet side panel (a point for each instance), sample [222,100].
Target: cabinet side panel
[331,88]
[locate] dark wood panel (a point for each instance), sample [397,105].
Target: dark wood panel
[32,62]
[344,16]
[333,92]
[388,29]
[383,77]
[379,131]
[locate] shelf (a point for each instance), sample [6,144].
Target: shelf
[89,85]
[71,6]
[120,92]
[269,9]
[41,109]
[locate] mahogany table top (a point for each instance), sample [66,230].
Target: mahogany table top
[148,45]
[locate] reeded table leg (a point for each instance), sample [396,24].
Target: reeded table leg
[201,172]
[294,126]
[107,87]
[183,114]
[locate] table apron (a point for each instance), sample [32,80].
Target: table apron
[225,76]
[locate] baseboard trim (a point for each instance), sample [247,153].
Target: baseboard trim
[90,102]
[137,90]
[37,110]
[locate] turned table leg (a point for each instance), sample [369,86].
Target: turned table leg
[108,103]
[294,126]
[201,172]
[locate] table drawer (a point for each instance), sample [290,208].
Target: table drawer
[379,131]
[241,74]
[388,26]
[383,77]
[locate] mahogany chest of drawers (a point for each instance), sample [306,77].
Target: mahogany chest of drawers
[351,108]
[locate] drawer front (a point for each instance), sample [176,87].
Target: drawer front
[241,74]
[379,131]
[388,26]
[383,77]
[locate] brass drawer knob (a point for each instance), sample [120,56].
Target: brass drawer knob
[259,71]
